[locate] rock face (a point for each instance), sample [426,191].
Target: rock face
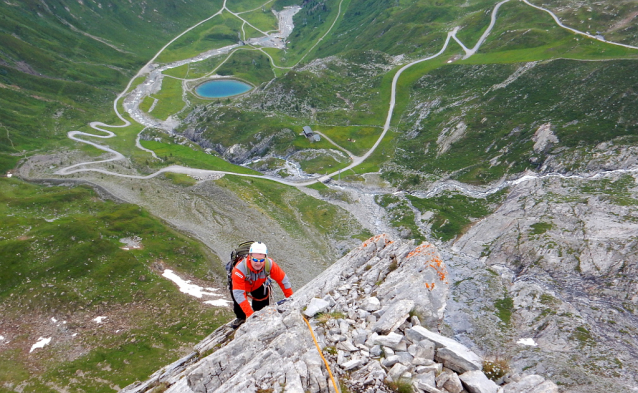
[369,335]
[564,253]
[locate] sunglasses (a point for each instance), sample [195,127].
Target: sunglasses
[259,260]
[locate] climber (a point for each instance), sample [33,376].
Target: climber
[251,277]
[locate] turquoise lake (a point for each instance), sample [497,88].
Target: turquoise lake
[222,88]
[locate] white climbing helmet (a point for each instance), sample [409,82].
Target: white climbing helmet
[258,248]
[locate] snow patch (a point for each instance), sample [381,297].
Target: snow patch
[218,302]
[99,319]
[40,344]
[53,320]
[1,338]
[527,341]
[185,286]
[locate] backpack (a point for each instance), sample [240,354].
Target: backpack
[238,254]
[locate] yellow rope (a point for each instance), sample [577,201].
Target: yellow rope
[321,354]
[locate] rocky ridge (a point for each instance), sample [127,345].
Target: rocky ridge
[374,314]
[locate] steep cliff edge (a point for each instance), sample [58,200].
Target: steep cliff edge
[375,314]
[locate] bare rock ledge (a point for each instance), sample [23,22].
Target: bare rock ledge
[376,317]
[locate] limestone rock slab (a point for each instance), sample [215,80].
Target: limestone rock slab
[395,315]
[315,307]
[531,384]
[476,382]
[451,353]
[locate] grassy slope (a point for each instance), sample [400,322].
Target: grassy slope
[216,33]
[169,98]
[501,122]
[581,99]
[522,34]
[615,20]
[300,214]
[183,155]
[364,35]
[62,259]
[54,79]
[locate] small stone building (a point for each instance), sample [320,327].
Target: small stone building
[308,133]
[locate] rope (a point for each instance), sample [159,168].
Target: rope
[321,354]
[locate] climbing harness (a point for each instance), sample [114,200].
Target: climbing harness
[267,286]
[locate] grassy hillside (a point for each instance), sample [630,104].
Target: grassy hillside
[411,28]
[62,62]
[615,20]
[434,97]
[581,100]
[301,215]
[62,258]
[473,120]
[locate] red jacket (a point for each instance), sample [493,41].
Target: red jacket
[246,279]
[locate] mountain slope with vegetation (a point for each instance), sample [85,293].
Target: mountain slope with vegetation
[63,62]
[65,262]
[508,156]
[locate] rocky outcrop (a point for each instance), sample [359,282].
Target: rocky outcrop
[374,317]
[543,138]
[564,252]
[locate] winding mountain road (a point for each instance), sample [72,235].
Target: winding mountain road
[356,160]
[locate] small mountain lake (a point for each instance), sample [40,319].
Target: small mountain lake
[222,88]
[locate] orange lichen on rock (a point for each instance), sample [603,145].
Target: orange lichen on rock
[434,261]
[429,286]
[374,239]
[421,250]
[437,264]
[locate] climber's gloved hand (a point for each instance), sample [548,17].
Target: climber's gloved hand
[282,301]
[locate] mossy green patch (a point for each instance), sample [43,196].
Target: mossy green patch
[401,216]
[250,65]
[8,162]
[178,72]
[323,163]
[357,140]
[262,18]
[147,103]
[504,308]
[616,191]
[540,227]
[583,336]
